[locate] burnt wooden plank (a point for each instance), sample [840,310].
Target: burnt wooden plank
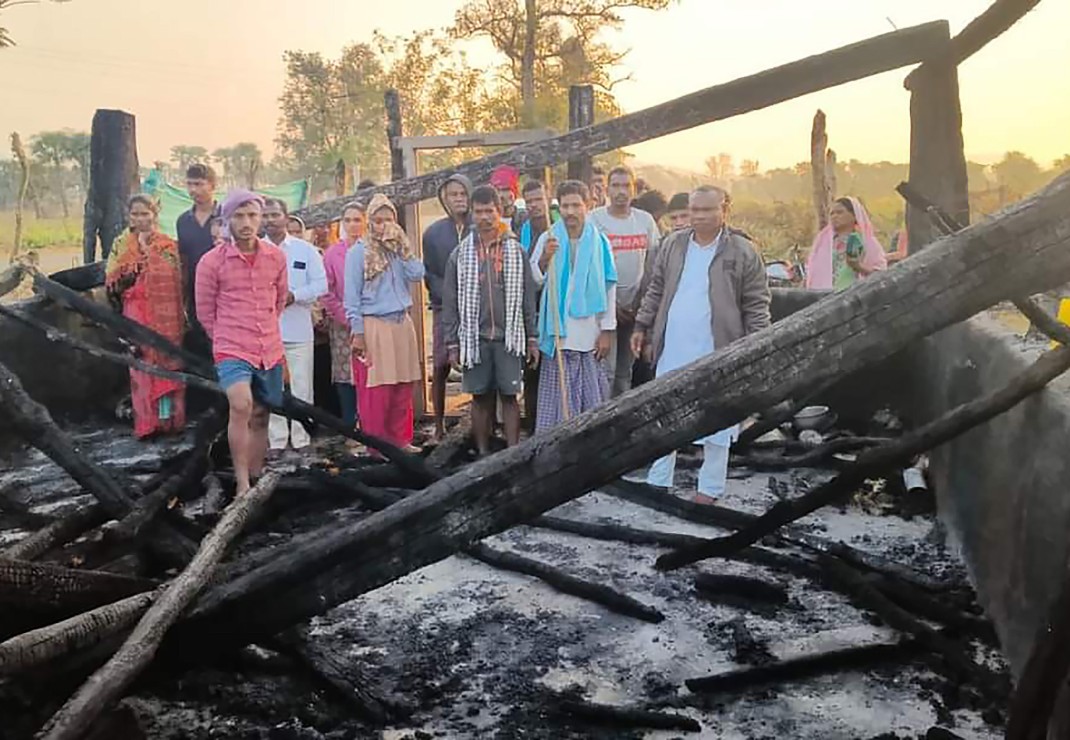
[853,62]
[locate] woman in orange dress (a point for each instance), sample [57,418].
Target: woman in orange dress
[144,274]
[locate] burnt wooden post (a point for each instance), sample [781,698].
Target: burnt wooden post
[113,177]
[408,217]
[819,153]
[580,115]
[937,158]
[392,101]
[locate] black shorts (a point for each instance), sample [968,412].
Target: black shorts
[498,371]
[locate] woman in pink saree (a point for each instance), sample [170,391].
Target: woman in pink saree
[846,250]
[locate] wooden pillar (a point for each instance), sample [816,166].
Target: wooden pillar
[819,151]
[580,115]
[392,101]
[113,177]
[937,157]
[402,165]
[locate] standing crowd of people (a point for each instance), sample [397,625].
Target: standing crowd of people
[566,300]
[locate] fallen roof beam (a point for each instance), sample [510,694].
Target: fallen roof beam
[1000,16]
[1024,249]
[854,62]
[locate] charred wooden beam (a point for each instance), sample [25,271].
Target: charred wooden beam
[45,644]
[58,335]
[566,583]
[121,325]
[52,588]
[57,533]
[132,331]
[997,18]
[614,716]
[854,62]
[880,459]
[108,684]
[962,665]
[344,679]
[580,115]
[805,666]
[965,274]
[33,422]
[615,532]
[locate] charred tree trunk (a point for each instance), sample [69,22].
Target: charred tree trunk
[965,274]
[854,62]
[108,684]
[112,179]
[580,115]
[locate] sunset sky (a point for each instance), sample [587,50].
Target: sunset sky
[209,72]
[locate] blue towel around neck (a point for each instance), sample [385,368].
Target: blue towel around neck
[595,271]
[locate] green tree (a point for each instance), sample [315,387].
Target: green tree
[1019,174]
[183,156]
[442,93]
[241,163]
[1062,164]
[332,110]
[550,45]
[55,150]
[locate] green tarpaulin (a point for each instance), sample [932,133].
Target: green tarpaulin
[173,200]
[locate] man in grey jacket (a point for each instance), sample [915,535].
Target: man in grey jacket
[488,313]
[708,289]
[440,239]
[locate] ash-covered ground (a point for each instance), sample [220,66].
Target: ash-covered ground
[483,653]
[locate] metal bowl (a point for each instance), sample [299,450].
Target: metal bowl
[812,417]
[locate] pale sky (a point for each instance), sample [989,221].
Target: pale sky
[209,72]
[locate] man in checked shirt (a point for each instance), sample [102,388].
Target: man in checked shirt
[241,291]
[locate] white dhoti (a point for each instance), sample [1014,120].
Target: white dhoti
[689,337]
[299,362]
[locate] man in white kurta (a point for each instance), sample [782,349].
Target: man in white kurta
[307,281]
[708,289]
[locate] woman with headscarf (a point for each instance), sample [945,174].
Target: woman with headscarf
[334,261]
[379,274]
[144,275]
[845,250]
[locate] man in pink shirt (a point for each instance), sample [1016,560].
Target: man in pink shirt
[241,290]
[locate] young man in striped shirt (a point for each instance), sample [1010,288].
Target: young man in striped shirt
[242,289]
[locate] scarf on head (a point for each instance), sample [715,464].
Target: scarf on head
[590,274]
[470,295]
[391,244]
[506,177]
[819,264]
[236,199]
